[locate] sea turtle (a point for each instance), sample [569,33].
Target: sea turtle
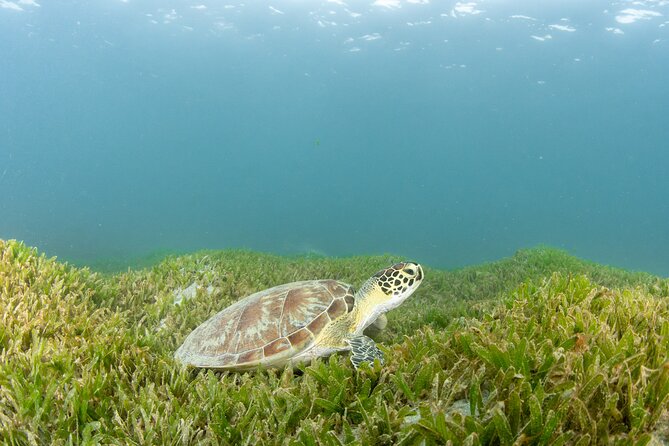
[299,321]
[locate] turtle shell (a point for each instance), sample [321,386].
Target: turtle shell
[267,328]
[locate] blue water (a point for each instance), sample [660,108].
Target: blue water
[448,132]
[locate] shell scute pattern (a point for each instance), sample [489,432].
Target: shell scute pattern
[301,305]
[300,337]
[337,308]
[255,326]
[269,326]
[317,325]
[255,355]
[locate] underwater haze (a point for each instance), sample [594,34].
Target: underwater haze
[447,132]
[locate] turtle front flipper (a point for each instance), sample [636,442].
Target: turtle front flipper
[363,349]
[377,326]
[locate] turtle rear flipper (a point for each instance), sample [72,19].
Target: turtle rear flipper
[364,349]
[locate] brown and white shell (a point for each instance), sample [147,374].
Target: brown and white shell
[267,328]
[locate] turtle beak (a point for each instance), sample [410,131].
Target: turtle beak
[418,270]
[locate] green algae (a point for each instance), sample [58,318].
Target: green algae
[539,348]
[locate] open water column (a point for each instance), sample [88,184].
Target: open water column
[453,132]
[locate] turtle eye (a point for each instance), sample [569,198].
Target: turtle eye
[410,271]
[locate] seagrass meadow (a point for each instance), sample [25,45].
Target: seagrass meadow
[538,348]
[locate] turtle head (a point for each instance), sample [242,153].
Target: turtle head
[386,290]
